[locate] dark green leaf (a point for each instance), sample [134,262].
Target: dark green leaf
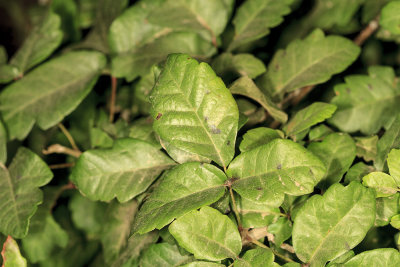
[123,171]
[3,144]
[246,87]
[55,90]
[391,139]
[19,194]
[239,65]
[163,255]
[390,17]
[40,44]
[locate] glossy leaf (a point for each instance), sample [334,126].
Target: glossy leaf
[181,156]
[337,151]
[367,147]
[317,58]
[207,234]
[184,188]
[390,18]
[256,257]
[280,167]
[383,184]
[124,171]
[56,89]
[254,18]
[193,110]
[388,257]
[374,97]
[309,116]
[246,87]
[257,137]
[40,44]
[326,228]
[11,255]
[138,62]
[19,194]
[163,254]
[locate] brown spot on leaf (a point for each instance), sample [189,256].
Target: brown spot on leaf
[158,116]
[259,188]
[279,166]
[228,143]
[370,87]
[214,129]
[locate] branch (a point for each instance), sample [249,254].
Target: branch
[61,165]
[59,149]
[68,135]
[113,96]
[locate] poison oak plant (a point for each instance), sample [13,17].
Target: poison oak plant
[200,133]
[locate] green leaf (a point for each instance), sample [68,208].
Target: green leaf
[390,17]
[202,264]
[366,103]
[184,188]
[281,166]
[8,73]
[307,117]
[395,221]
[386,208]
[106,12]
[3,143]
[181,156]
[337,151]
[239,65]
[255,214]
[163,255]
[142,129]
[319,132]
[254,18]
[367,147]
[326,228]
[55,90]
[357,172]
[393,162]
[130,30]
[123,171]
[11,255]
[246,87]
[19,194]
[390,139]
[257,137]
[38,246]
[116,228]
[136,244]
[256,257]
[383,184]
[208,17]
[99,138]
[39,45]
[87,215]
[281,230]
[317,58]
[68,12]
[86,12]
[193,110]
[387,257]
[207,234]
[138,62]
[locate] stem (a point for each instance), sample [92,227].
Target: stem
[258,243]
[68,135]
[68,186]
[61,165]
[59,149]
[235,209]
[113,95]
[372,26]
